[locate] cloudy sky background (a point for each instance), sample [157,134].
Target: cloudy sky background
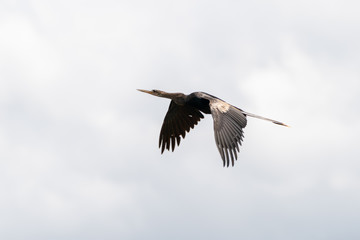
[79,156]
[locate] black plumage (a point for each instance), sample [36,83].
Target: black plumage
[185,111]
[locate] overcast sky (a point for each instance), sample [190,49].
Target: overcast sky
[79,155]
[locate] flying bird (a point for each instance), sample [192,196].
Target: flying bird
[185,111]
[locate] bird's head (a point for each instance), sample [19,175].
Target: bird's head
[178,98]
[152,92]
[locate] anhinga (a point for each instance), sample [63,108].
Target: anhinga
[185,111]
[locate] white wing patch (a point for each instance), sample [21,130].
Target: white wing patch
[219,105]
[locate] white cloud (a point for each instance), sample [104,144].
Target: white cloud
[79,155]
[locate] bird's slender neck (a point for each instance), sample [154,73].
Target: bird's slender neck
[178,98]
[168,95]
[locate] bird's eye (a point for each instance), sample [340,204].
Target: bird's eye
[154,91]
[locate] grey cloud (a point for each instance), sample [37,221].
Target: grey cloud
[79,155]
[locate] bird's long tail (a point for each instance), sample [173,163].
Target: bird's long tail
[264,118]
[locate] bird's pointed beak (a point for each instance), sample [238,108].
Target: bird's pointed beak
[146,91]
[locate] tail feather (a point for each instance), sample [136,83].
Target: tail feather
[264,118]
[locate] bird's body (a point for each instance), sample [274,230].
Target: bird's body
[185,111]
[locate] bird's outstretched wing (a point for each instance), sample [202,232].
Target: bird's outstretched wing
[178,121]
[229,122]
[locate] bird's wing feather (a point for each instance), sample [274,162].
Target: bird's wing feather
[229,122]
[178,121]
